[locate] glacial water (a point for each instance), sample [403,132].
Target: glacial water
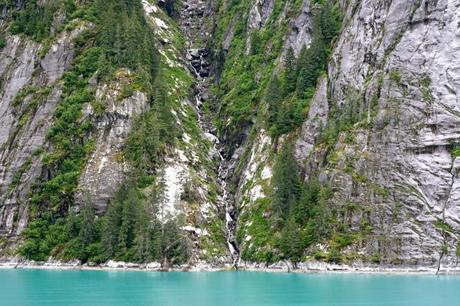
[43,287]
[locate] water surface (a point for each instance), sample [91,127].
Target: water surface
[43,287]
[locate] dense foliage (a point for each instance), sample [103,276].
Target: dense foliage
[298,214]
[130,231]
[36,18]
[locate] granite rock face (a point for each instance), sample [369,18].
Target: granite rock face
[399,61]
[24,124]
[105,169]
[395,65]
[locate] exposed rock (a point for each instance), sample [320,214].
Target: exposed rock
[259,13]
[21,139]
[403,54]
[301,29]
[105,169]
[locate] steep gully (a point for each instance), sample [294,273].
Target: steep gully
[192,17]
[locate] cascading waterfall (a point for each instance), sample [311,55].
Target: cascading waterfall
[192,20]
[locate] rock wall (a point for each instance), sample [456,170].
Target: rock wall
[396,65]
[401,56]
[26,116]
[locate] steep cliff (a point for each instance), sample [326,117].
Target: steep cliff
[231,132]
[379,135]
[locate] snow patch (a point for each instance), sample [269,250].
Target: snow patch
[266,173]
[160,23]
[174,176]
[149,8]
[212,138]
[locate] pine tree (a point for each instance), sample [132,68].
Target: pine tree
[328,21]
[87,228]
[176,249]
[128,219]
[112,222]
[286,182]
[143,241]
[149,229]
[319,221]
[310,64]
[167,122]
[273,98]
[290,72]
[291,242]
[308,199]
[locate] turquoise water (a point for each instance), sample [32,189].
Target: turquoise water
[41,287]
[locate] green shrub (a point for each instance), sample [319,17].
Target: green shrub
[2,41]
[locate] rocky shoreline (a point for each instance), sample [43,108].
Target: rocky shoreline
[304,267]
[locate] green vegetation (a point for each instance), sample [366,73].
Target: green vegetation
[130,230]
[298,215]
[244,74]
[455,150]
[127,40]
[68,137]
[295,216]
[96,55]
[2,41]
[37,18]
[153,133]
[301,74]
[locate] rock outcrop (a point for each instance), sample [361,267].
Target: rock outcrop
[30,93]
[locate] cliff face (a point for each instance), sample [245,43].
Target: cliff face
[379,129]
[397,62]
[395,170]
[27,76]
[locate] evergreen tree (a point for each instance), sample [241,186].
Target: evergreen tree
[291,242]
[112,222]
[87,232]
[290,72]
[319,221]
[308,199]
[149,230]
[273,98]
[310,64]
[143,233]
[176,248]
[128,220]
[286,182]
[167,122]
[328,21]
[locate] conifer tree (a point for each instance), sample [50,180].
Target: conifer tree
[286,182]
[273,98]
[290,72]
[291,242]
[128,219]
[87,232]
[112,222]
